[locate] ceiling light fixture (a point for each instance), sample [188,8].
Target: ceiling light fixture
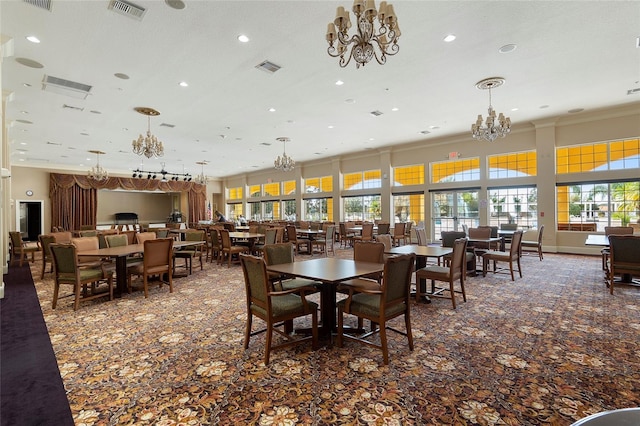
[97,173]
[366,43]
[492,130]
[284,163]
[201,178]
[148,146]
[140,173]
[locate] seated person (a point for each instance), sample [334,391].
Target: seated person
[220,217]
[242,220]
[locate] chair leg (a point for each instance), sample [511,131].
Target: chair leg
[519,268]
[383,343]
[513,278]
[407,323]
[453,294]
[339,341]
[267,348]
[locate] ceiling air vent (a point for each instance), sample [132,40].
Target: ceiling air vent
[42,4]
[65,87]
[75,108]
[267,66]
[376,113]
[633,91]
[127,9]
[168,125]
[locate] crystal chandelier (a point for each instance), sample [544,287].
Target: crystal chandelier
[366,43]
[284,163]
[97,173]
[492,129]
[201,178]
[148,146]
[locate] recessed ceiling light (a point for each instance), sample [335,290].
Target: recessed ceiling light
[507,48]
[121,76]
[339,83]
[184,84]
[243,38]
[394,109]
[272,110]
[23,143]
[434,127]
[330,126]
[449,38]
[33,39]
[514,109]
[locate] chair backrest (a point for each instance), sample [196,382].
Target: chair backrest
[194,235]
[368,251]
[314,226]
[158,252]
[292,235]
[396,281]
[421,234]
[45,242]
[449,237]
[343,229]
[494,230]
[407,228]
[214,235]
[383,228]
[88,233]
[480,232]
[303,224]
[256,282]
[270,235]
[279,234]
[624,249]
[458,258]
[386,240]
[508,226]
[65,261]
[398,229]
[516,242]
[144,236]
[162,233]
[118,240]
[540,231]
[87,228]
[131,236]
[277,254]
[63,237]
[618,230]
[225,239]
[465,228]
[85,243]
[16,239]
[367,230]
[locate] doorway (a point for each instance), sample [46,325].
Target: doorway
[452,209]
[29,219]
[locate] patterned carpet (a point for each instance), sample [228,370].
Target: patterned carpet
[547,349]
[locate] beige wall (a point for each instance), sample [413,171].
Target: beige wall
[151,207]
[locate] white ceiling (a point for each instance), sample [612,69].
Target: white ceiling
[570,55]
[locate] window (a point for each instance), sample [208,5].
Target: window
[255,191]
[289,187]
[366,207]
[235,193]
[233,211]
[592,206]
[318,209]
[517,205]
[289,208]
[614,155]
[271,189]
[455,170]
[319,184]
[512,165]
[270,210]
[408,208]
[408,175]
[363,180]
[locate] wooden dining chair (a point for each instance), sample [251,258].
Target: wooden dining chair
[282,253]
[157,260]
[326,243]
[366,234]
[85,280]
[189,253]
[20,250]
[399,233]
[274,307]
[536,243]
[613,230]
[624,257]
[380,305]
[512,257]
[229,250]
[45,241]
[448,274]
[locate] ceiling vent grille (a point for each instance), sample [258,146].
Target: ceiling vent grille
[633,91]
[42,4]
[168,125]
[268,66]
[376,113]
[75,108]
[127,9]
[66,87]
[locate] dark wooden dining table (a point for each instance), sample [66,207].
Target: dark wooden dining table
[330,271]
[120,255]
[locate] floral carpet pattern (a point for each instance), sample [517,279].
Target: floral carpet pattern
[547,349]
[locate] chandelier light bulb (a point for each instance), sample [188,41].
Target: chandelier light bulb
[367,42]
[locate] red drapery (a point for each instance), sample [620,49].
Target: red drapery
[74,200]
